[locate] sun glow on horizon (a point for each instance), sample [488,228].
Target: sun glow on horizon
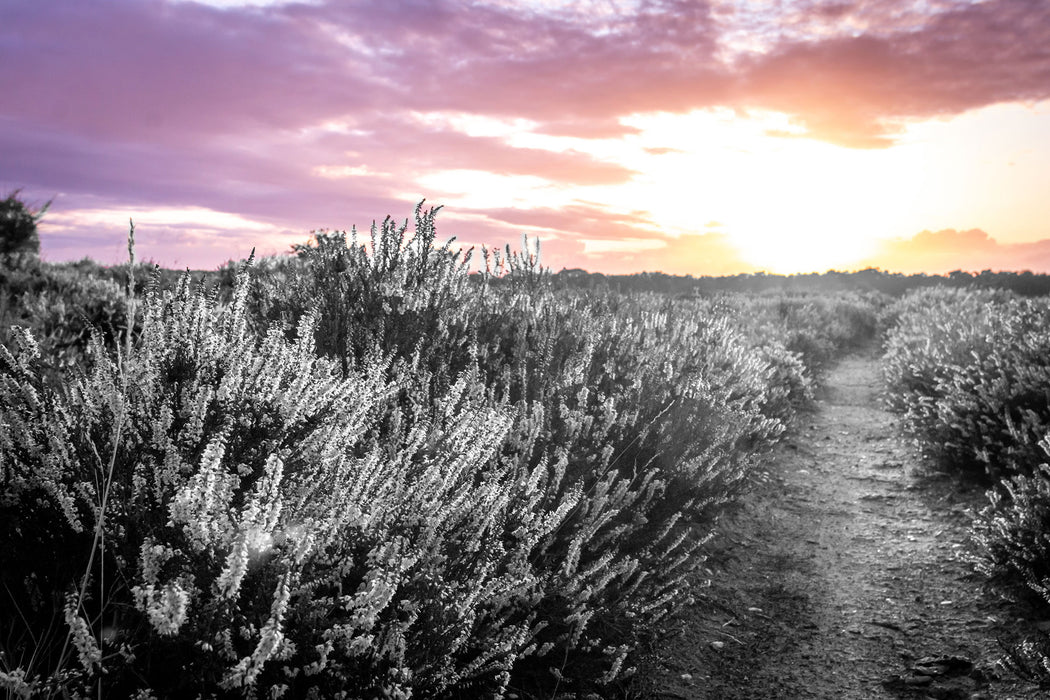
[786,202]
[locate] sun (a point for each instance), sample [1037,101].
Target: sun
[786,203]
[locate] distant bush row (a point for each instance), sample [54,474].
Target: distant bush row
[370,473]
[828,283]
[970,372]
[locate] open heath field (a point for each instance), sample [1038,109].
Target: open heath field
[378,468]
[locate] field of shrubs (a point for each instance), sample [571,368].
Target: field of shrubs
[969,370]
[378,468]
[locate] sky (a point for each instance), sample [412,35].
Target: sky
[684,136]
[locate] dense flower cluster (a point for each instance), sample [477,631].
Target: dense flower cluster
[369,472]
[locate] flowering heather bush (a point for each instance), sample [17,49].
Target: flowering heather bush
[222,503]
[1012,536]
[653,416]
[372,473]
[816,327]
[62,304]
[970,371]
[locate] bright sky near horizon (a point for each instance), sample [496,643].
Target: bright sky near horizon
[687,136]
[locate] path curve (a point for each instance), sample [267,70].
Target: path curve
[842,575]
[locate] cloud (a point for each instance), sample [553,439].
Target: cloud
[858,90]
[149,71]
[588,129]
[847,71]
[661,150]
[272,110]
[391,141]
[154,70]
[938,252]
[587,235]
[176,239]
[690,254]
[593,237]
[578,220]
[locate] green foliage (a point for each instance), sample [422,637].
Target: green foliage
[19,242]
[816,327]
[62,304]
[1013,533]
[1012,536]
[828,284]
[970,372]
[254,519]
[368,472]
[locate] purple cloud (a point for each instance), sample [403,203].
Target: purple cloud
[169,104]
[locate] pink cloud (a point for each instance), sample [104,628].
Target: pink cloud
[405,145]
[582,220]
[588,128]
[856,90]
[692,254]
[947,250]
[696,254]
[147,70]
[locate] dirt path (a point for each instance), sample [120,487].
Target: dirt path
[843,575]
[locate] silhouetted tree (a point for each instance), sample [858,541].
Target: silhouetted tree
[18,236]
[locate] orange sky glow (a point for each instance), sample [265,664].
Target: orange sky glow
[685,136]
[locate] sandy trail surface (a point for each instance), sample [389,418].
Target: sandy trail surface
[844,574]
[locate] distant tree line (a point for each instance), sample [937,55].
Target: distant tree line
[1025,283]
